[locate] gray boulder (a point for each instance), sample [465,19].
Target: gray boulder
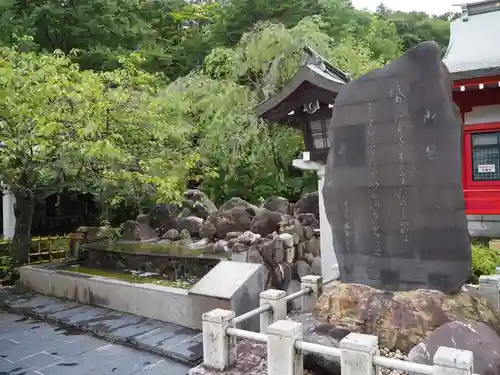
[197,203]
[303,269]
[308,204]
[308,220]
[219,224]
[143,218]
[163,217]
[316,266]
[238,202]
[277,204]
[220,246]
[192,224]
[135,231]
[476,337]
[172,235]
[266,222]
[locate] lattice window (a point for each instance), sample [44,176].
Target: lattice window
[486,156]
[319,133]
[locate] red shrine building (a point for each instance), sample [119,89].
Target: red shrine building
[473,60]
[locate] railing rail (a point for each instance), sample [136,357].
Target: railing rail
[250,314]
[316,348]
[273,302]
[358,353]
[377,360]
[398,364]
[243,334]
[300,293]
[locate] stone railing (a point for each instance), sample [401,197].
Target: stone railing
[489,288]
[358,353]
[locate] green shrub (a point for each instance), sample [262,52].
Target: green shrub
[484,261]
[7,272]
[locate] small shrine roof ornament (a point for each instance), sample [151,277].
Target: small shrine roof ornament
[317,79]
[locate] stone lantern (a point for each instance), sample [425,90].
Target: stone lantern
[306,103]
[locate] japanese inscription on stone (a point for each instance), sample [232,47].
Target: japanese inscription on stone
[393,191]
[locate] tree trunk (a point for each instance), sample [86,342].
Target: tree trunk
[23,210]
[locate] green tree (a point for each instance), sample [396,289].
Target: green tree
[416,27]
[382,39]
[239,16]
[237,154]
[254,159]
[195,120]
[67,128]
[268,56]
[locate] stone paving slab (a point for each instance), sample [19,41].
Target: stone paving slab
[168,339]
[33,347]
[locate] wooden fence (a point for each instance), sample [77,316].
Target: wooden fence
[42,249]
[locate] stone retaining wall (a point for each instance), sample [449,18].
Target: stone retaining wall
[289,254]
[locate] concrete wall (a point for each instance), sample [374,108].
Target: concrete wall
[148,300]
[484,225]
[229,285]
[329,263]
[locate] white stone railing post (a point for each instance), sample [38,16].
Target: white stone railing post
[489,289]
[219,349]
[449,361]
[276,299]
[356,354]
[282,356]
[315,283]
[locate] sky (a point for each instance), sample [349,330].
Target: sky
[428,6]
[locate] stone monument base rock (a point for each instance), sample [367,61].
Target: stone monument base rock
[401,320]
[475,337]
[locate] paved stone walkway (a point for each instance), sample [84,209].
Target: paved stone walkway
[170,340]
[31,347]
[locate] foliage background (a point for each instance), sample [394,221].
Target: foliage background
[132,101]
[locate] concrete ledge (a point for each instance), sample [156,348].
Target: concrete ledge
[487,226]
[148,300]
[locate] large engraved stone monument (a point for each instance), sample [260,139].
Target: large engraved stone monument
[393,190]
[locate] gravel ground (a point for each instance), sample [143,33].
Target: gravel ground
[395,355]
[382,371]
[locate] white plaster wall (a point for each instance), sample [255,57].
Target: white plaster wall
[328,256]
[329,263]
[481,115]
[8,216]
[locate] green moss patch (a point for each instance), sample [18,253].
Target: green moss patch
[174,250]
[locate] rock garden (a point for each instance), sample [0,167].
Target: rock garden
[176,245]
[181,243]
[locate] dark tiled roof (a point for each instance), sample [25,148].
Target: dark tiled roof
[316,72]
